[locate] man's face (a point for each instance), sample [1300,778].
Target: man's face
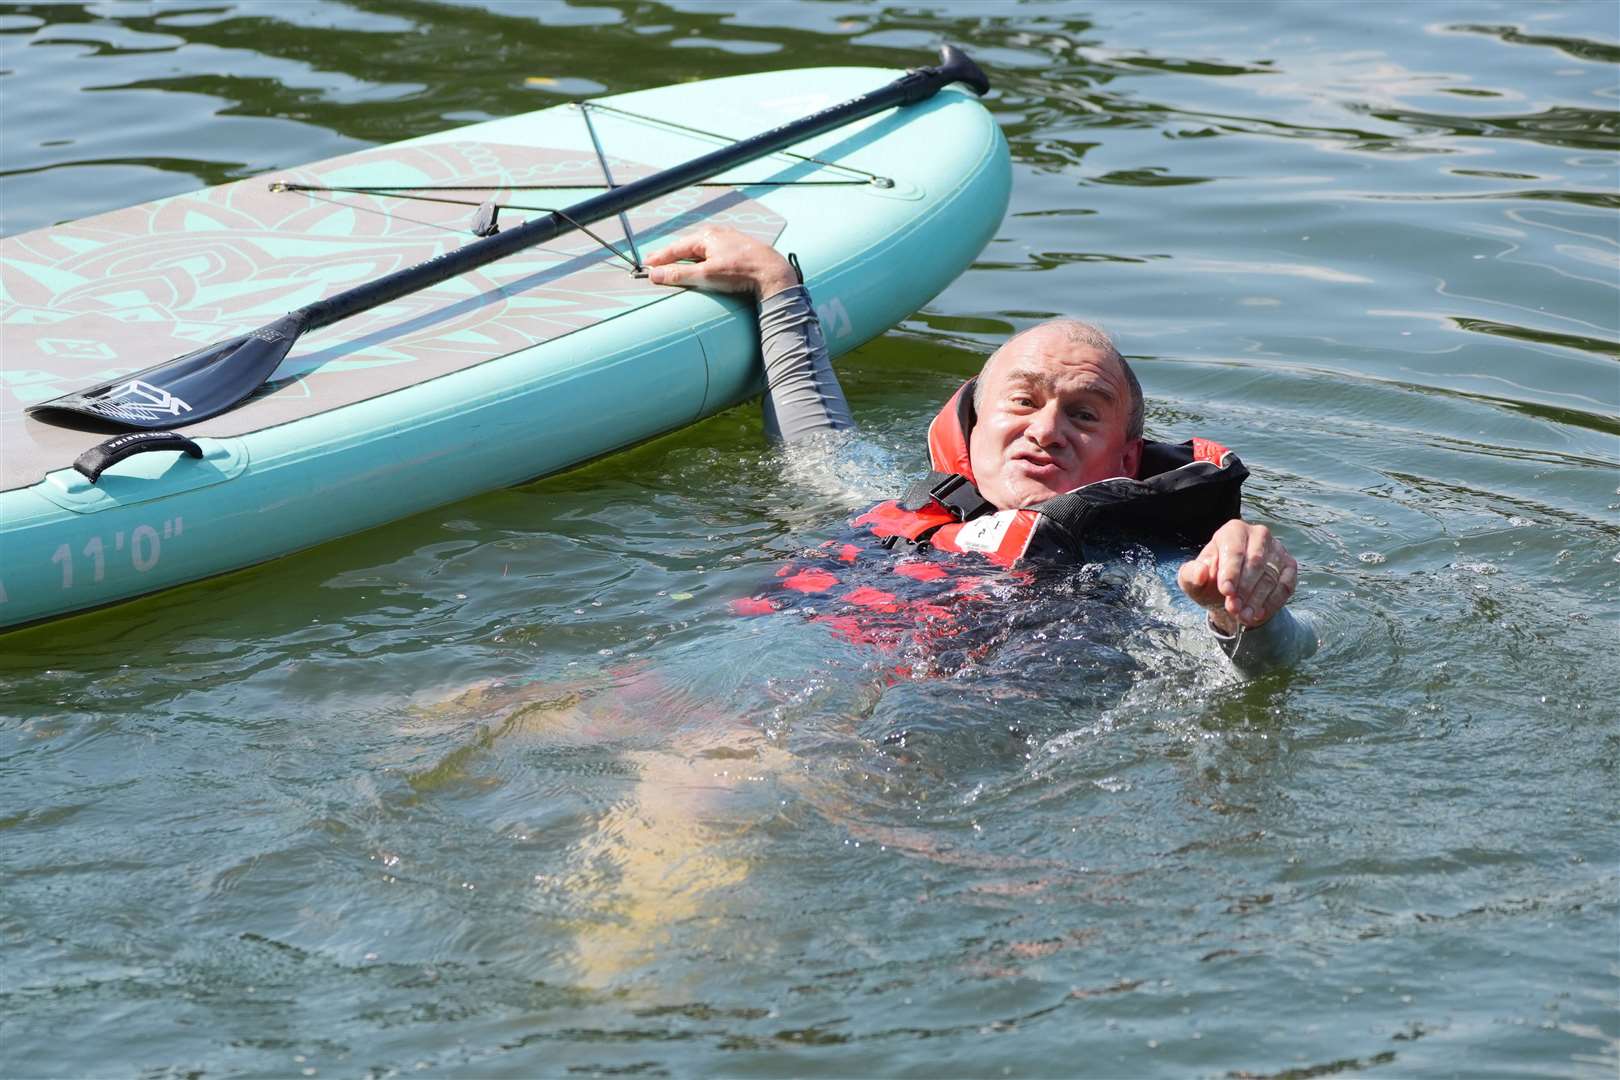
[1053,417]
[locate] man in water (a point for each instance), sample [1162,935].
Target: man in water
[1055,409]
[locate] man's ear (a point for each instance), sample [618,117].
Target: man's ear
[1132,458]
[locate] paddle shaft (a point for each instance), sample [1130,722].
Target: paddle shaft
[914,86]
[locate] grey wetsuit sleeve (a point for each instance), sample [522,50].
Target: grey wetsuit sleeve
[802,395]
[1281,641]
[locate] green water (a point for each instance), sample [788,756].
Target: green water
[505,789]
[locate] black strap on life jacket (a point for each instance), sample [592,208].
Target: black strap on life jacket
[953,491]
[1182,505]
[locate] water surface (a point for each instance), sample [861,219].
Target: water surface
[506,789]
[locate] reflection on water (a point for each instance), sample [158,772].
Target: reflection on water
[507,788]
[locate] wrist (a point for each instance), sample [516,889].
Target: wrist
[768,285]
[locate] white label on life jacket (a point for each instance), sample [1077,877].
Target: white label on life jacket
[986,533]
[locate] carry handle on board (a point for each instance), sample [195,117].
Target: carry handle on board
[103,456]
[217,377]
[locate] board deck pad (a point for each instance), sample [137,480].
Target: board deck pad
[92,300]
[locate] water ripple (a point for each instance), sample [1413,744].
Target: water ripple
[506,787]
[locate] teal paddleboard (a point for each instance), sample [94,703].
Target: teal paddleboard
[528,365]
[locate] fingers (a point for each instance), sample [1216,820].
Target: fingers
[1231,550]
[721,260]
[689,246]
[689,274]
[1254,576]
[1257,573]
[1283,591]
[717,242]
[1197,578]
[1287,582]
[1271,591]
[1268,579]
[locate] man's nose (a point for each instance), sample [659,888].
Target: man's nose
[1044,424]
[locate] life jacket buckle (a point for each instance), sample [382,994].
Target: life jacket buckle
[953,491]
[942,490]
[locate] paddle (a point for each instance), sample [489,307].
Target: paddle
[217,377]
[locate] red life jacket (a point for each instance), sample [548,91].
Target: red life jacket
[1183,493]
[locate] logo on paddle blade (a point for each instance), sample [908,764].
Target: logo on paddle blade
[136,400]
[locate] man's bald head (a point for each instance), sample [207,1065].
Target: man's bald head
[1081,336]
[1057,408]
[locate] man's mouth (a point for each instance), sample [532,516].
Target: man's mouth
[1036,461]
[1042,471]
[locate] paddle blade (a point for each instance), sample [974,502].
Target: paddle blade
[183,390]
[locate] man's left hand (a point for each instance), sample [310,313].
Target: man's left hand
[1243,576]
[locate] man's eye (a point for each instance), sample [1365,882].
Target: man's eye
[1083,416]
